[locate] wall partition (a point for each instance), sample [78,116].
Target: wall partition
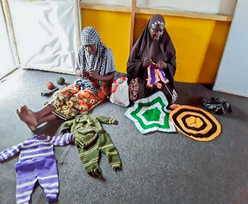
[233,72]
[7,62]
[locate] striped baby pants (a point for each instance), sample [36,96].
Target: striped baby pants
[43,171]
[90,155]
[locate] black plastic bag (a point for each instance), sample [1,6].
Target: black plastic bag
[217,105]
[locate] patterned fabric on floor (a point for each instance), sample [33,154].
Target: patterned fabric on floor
[150,114]
[196,123]
[71,101]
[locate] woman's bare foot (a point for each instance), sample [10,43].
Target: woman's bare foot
[28,117]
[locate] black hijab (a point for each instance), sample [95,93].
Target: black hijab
[146,47]
[157,50]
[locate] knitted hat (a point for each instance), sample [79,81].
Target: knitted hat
[60,81]
[195,123]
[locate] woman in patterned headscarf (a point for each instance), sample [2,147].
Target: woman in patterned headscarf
[154,47]
[95,68]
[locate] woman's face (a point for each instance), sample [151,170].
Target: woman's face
[91,49]
[156,31]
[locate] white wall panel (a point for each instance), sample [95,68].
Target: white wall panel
[232,76]
[224,7]
[125,3]
[46,33]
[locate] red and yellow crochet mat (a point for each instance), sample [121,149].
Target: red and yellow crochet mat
[196,123]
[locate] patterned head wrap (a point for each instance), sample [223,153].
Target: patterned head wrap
[156,19]
[101,61]
[158,23]
[90,36]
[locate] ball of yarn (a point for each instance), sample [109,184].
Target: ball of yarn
[50,85]
[60,80]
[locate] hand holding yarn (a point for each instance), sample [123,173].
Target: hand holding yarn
[78,73]
[161,65]
[147,62]
[86,74]
[94,75]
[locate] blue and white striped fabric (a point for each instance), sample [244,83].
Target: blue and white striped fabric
[37,162]
[103,64]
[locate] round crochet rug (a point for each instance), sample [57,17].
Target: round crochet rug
[196,123]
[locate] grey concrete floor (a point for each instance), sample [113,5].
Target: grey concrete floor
[157,168]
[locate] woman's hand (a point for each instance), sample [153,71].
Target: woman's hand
[95,75]
[147,62]
[78,73]
[85,74]
[161,65]
[82,73]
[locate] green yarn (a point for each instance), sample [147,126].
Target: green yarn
[60,80]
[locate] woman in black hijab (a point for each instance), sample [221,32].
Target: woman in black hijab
[154,46]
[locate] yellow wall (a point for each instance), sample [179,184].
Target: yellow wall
[114,30]
[199,43]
